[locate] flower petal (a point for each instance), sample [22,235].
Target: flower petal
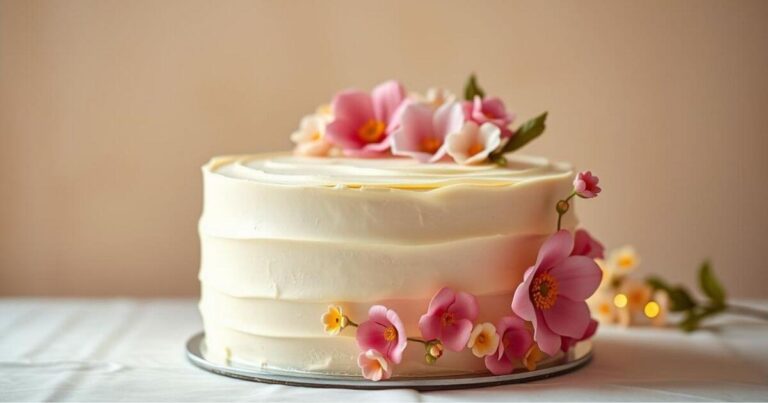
[343,133]
[387,97]
[578,277]
[567,318]
[430,326]
[370,335]
[353,106]
[396,353]
[556,248]
[498,365]
[521,301]
[548,341]
[454,337]
[464,306]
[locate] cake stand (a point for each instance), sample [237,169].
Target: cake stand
[579,356]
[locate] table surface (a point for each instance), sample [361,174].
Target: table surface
[133,350]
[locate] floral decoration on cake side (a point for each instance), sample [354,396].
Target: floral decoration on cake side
[548,313]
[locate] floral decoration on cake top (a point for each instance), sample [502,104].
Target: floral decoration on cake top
[431,127]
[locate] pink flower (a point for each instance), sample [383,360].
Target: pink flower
[362,122]
[383,332]
[585,245]
[516,340]
[423,129]
[374,366]
[553,292]
[489,110]
[473,144]
[449,318]
[585,185]
[568,342]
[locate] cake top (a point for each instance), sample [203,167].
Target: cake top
[386,173]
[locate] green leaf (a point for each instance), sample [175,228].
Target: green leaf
[710,285]
[691,322]
[680,299]
[525,134]
[472,88]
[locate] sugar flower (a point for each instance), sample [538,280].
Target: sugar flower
[635,293]
[553,292]
[585,185]
[383,332]
[532,357]
[449,318]
[363,122]
[602,306]
[374,365]
[483,340]
[568,342]
[623,260]
[515,341]
[435,97]
[334,320]
[489,110]
[585,245]
[422,131]
[473,143]
[310,138]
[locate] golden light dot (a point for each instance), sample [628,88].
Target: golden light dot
[620,300]
[652,309]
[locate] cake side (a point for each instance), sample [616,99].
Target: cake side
[283,237]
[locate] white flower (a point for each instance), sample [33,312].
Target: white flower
[483,340]
[473,144]
[374,366]
[310,138]
[623,260]
[601,305]
[435,97]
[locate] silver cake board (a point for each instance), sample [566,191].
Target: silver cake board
[579,356]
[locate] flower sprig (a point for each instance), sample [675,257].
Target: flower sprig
[584,186]
[695,311]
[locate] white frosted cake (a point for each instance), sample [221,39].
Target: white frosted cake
[421,222]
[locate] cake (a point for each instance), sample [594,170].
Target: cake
[413,232]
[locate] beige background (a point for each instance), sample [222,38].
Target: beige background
[108,109]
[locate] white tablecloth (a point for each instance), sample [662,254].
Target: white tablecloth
[133,350]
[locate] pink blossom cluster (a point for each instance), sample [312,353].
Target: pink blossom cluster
[388,121]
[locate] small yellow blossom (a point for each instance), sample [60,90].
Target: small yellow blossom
[637,293]
[483,340]
[334,320]
[657,309]
[532,357]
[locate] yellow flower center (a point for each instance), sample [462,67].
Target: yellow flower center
[626,261]
[447,319]
[544,291]
[430,145]
[390,333]
[476,148]
[315,136]
[372,131]
[481,339]
[604,308]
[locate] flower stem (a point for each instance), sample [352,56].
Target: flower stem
[747,311]
[562,207]
[416,340]
[349,322]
